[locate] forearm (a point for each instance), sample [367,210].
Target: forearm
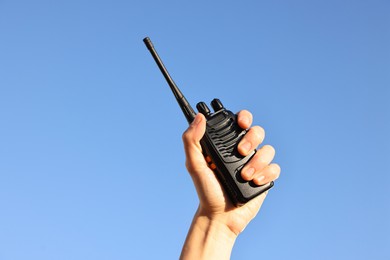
[208,239]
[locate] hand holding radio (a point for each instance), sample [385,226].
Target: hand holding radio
[218,221]
[214,202]
[220,143]
[231,177]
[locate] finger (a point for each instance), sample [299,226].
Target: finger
[268,174]
[251,140]
[191,138]
[259,161]
[244,119]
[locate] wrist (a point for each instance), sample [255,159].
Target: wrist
[231,223]
[209,238]
[215,226]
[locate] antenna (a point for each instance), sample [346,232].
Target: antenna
[183,103]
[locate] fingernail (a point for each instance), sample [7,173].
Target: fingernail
[249,172]
[245,120]
[245,147]
[259,179]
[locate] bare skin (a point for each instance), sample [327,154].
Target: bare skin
[217,222]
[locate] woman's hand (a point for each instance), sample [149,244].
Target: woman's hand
[216,215]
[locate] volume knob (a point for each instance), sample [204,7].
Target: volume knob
[203,108]
[216,104]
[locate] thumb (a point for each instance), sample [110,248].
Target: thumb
[191,139]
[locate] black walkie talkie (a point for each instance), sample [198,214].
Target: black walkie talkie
[219,144]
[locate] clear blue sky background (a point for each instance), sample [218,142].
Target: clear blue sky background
[91,160]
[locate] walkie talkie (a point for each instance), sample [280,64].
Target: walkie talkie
[219,144]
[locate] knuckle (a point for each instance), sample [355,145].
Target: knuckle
[185,136]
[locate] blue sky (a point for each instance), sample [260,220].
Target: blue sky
[91,160]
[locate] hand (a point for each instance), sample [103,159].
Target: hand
[214,202]
[216,215]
